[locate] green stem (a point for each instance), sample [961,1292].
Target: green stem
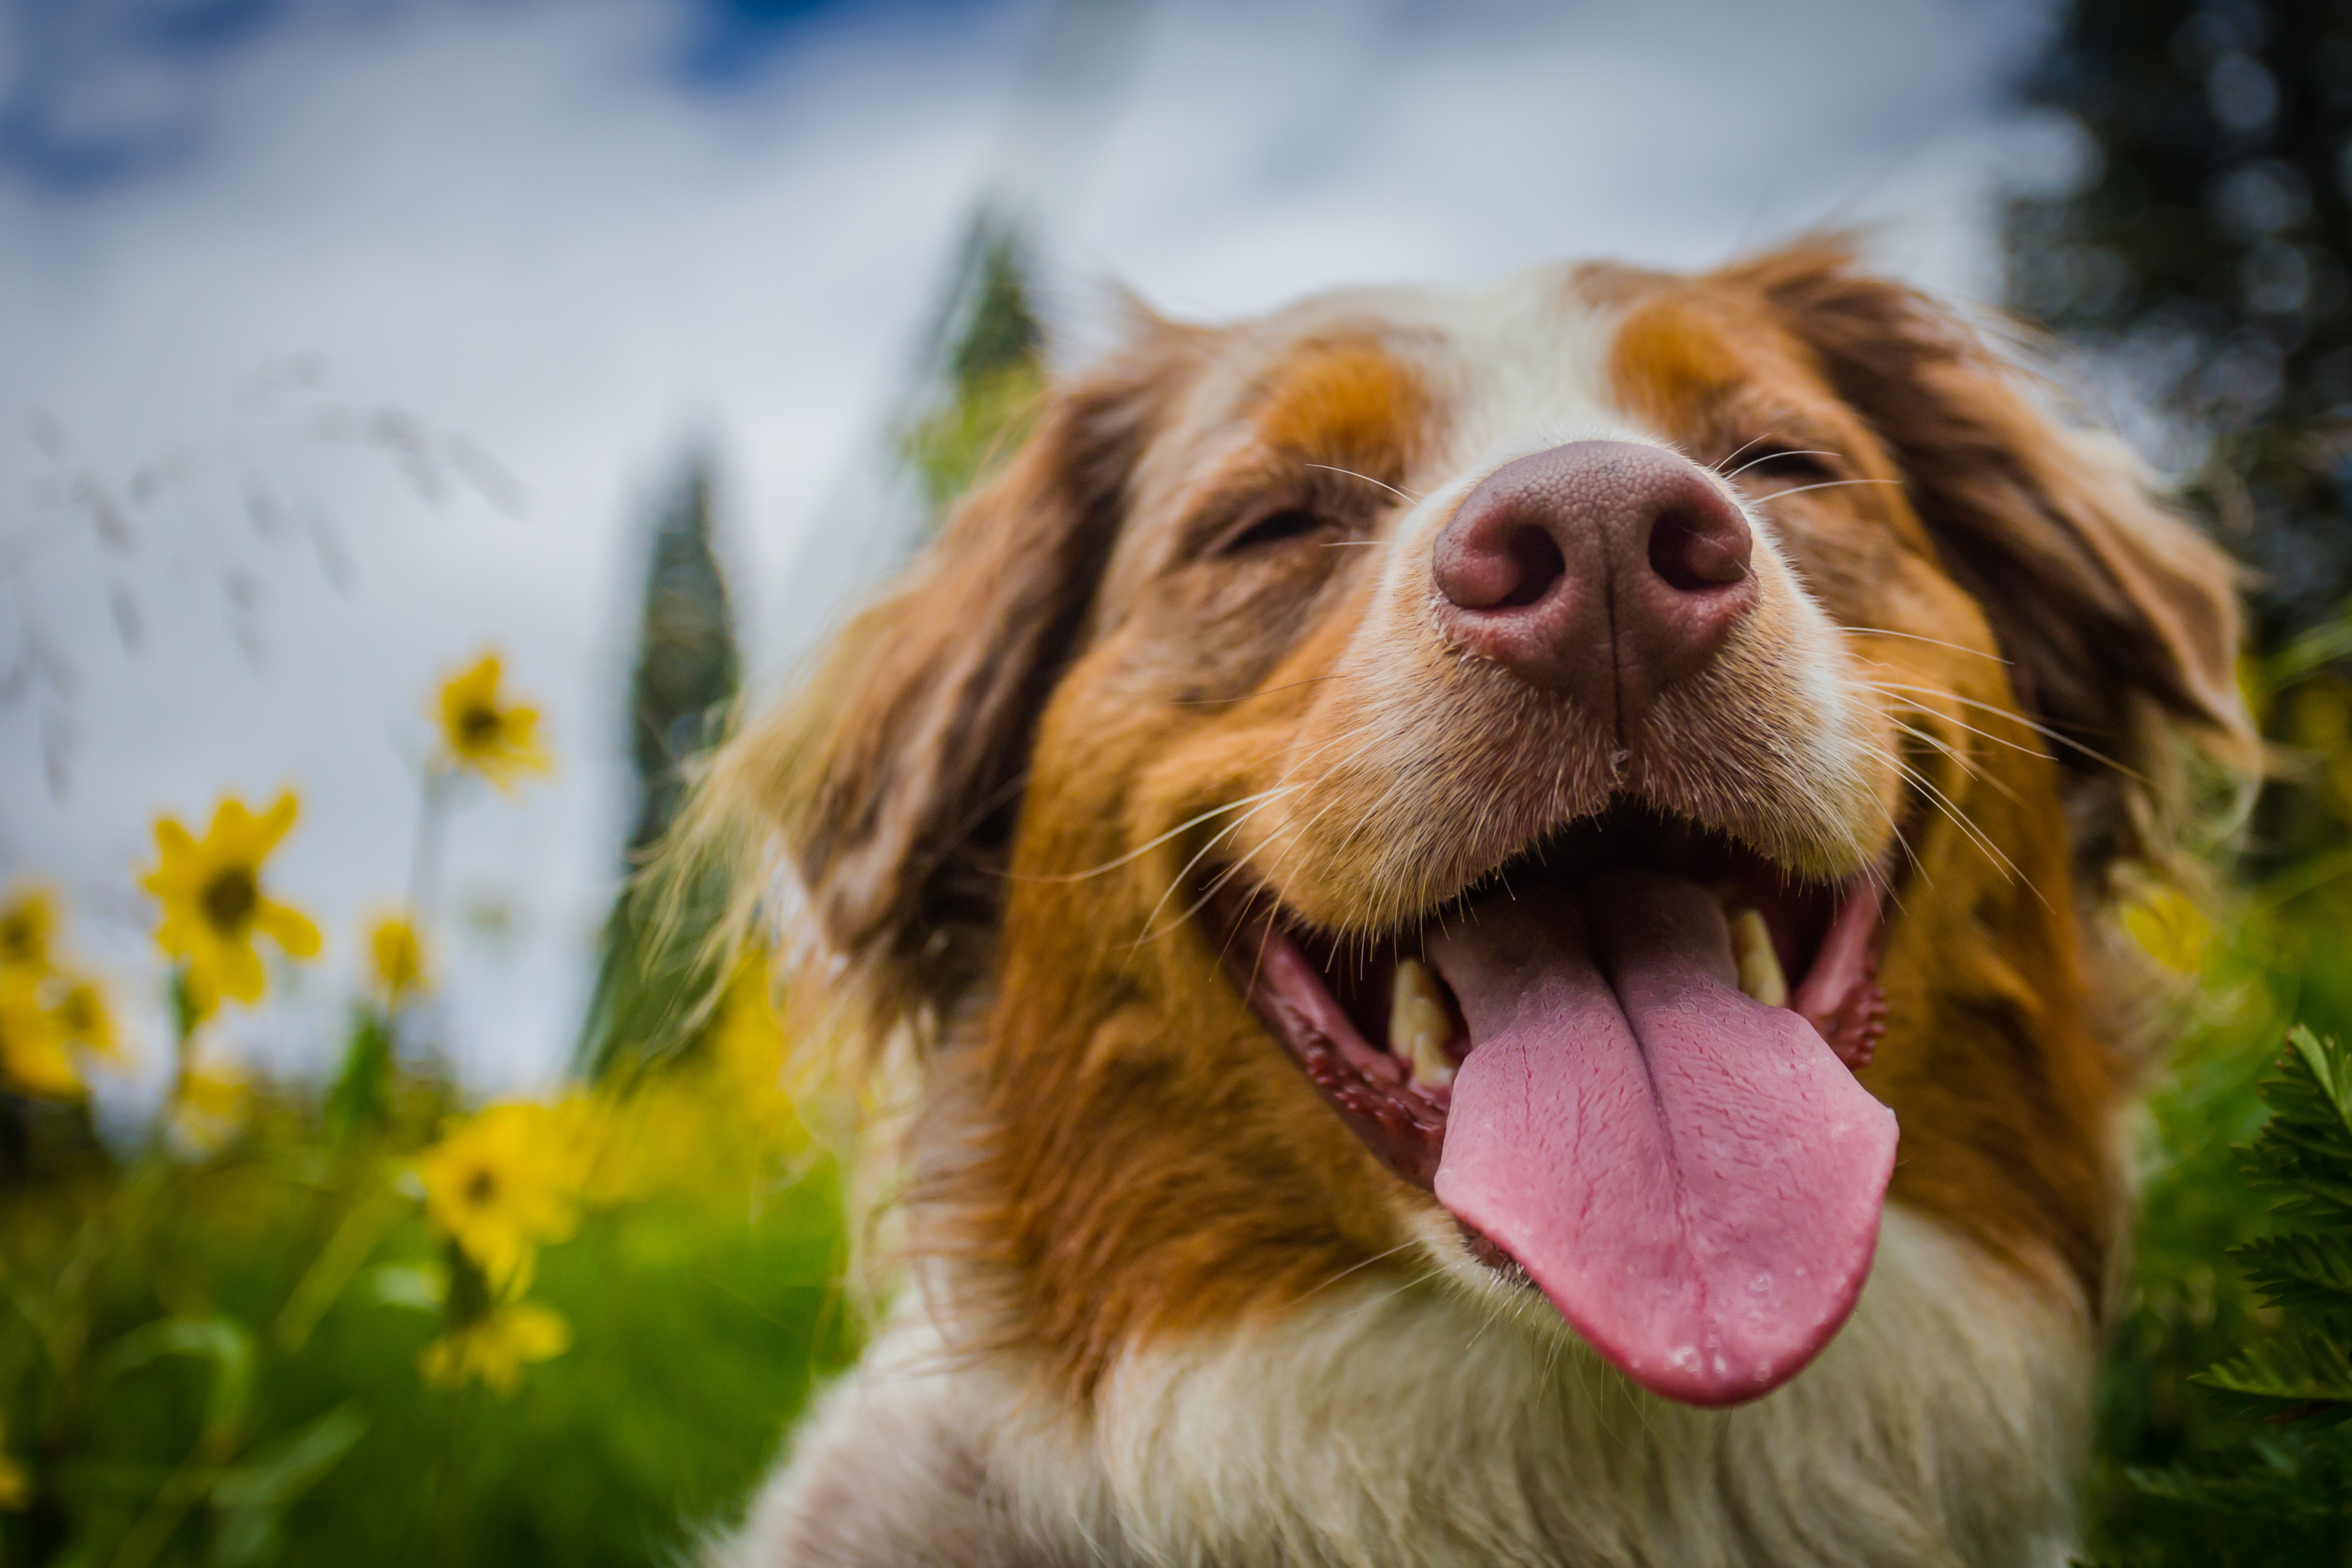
[184,1019]
[432,802]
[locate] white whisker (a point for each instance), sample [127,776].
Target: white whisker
[1768,457]
[2042,730]
[1824,484]
[1717,464]
[1335,468]
[1144,848]
[1915,636]
[1351,1268]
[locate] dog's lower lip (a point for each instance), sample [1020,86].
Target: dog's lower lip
[1402,1123]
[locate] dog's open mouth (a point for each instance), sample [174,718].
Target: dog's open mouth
[1624,1060]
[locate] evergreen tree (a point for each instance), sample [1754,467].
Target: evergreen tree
[989,353]
[2205,257]
[655,974]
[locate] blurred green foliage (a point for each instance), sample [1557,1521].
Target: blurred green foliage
[2189,1472]
[217,1359]
[2201,258]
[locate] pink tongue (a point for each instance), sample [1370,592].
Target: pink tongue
[1694,1178]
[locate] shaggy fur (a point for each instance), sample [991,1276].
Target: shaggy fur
[1165,1306]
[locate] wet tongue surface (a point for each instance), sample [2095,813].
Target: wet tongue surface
[1691,1177]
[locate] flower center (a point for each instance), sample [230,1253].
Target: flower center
[229,899]
[477,726]
[20,941]
[480,1188]
[78,1012]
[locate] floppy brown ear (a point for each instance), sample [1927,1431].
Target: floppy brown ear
[2120,621]
[891,781]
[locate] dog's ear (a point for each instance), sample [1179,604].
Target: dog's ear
[891,784]
[2120,621]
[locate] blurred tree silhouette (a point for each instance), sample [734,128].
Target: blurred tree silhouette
[2203,256]
[654,974]
[991,354]
[688,667]
[2200,261]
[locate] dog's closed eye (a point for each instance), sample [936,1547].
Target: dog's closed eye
[1280,527]
[1784,465]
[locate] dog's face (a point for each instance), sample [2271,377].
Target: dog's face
[1536,784]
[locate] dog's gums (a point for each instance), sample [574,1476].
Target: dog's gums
[1590,1030]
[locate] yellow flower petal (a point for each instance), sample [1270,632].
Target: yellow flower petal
[231,832]
[237,971]
[175,861]
[274,824]
[33,1057]
[399,953]
[495,1347]
[289,927]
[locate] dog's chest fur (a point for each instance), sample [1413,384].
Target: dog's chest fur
[1400,1424]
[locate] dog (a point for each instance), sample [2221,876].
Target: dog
[1502,904]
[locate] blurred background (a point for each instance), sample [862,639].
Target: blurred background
[384,331]
[343,342]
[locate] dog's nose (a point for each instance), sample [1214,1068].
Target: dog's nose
[1602,569]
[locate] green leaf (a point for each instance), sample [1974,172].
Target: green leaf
[419,1287]
[357,1101]
[223,1341]
[331,1270]
[253,1498]
[2300,1271]
[2298,1364]
[2331,1067]
[294,1466]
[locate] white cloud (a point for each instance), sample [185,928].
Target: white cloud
[505,219]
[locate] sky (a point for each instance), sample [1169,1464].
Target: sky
[340,340]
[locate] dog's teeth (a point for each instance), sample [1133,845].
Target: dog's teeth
[1419,1025]
[1760,966]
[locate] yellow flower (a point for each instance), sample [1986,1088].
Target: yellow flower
[213,901]
[2171,927]
[748,1050]
[500,743]
[399,953]
[28,921]
[33,1059]
[82,1016]
[211,1107]
[495,1346]
[503,1182]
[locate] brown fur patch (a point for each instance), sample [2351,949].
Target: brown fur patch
[1350,404]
